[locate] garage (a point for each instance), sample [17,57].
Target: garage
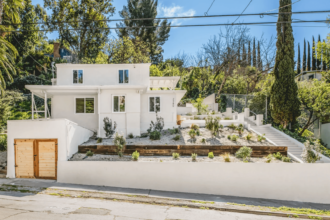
[36,158]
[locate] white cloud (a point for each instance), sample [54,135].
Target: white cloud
[174,11]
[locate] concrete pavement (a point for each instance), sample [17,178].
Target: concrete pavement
[18,206]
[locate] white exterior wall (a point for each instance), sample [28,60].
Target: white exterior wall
[325,131]
[168,105]
[68,134]
[63,106]
[286,181]
[103,74]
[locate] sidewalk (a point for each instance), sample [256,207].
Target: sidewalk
[154,194]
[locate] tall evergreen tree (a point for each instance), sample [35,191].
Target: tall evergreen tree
[254,53]
[314,65]
[308,68]
[304,57]
[244,56]
[298,61]
[284,102]
[249,54]
[155,37]
[318,59]
[259,63]
[324,62]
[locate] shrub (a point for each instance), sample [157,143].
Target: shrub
[240,130]
[309,155]
[89,153]
[196,118]
[211,155]
[212,124]
[244,153]
[189,114]
[120,142]
[213,112]
[155,135]
[269,158]
[203,140]
[144,135]
[261,138]
[192,133]
[232,127]
[286,159]
[174,131]
[3,142]
[99,140]
[218,118]
[227,118]
[198,133]
[176,156]
[135,155]
[158,125]
[226,157]
[248,137]
[108,128]
[278,155]
[130,135]
[195,127]
[229,137]
[177,137]
[234,137]
[241,126]
[193,156]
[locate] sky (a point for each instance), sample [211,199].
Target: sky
[191,39]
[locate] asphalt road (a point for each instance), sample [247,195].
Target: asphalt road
[26,206]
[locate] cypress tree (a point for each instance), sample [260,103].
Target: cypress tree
[249,54]
[304,56]
[244,56]
[298,61]
[309,58]
[254,53]
[259,64]
[284,102]
[318,60]
[314,66]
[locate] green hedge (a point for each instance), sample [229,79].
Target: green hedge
[3,142]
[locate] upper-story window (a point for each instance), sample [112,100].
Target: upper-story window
[84,105]
[118,103]
[154,104]
[78,76]
[123,76]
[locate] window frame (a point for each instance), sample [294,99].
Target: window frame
[160,103]
[118,78]
[75,105]
[113,104]
[77,79]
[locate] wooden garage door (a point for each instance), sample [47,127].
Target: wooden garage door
[47,159]
[36,158]
[24,159]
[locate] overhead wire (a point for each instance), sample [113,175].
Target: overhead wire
[242,12]
[206,13]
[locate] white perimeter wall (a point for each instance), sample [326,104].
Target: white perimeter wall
[68,134]
[294,182]
[325,131]
[63,106]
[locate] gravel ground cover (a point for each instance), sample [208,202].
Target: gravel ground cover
[167,138]
[168,159]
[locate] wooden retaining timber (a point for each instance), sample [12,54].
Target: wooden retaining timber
[184,150]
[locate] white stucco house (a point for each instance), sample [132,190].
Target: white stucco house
[82,95]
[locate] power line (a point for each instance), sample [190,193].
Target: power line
[194,25]
[180,17]
[206,13]
[281,7]
[242,12]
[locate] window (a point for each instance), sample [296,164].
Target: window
[123,76]
[84,105]
[154,104]
[118,103]
[78,77]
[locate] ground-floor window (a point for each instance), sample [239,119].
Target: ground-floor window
[154,104]
[118,103]
[84,105]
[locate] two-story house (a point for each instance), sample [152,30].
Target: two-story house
[81,96]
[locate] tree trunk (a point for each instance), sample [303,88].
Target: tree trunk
[308,123]
[222,84]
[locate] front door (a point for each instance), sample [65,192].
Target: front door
[36,158]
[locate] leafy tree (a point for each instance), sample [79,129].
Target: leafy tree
[155,36]
[125,50]
[284,101]
[154,71]
[89,36]
[198,103]
[259,63]
[20,82]
[323,50]
[314,97]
